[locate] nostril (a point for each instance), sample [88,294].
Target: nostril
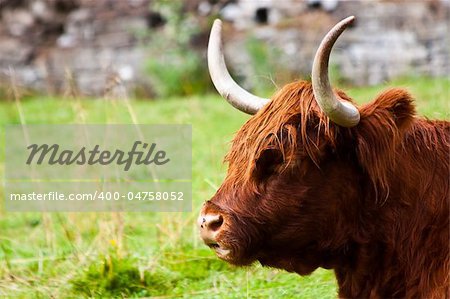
[216,224]
[211,222]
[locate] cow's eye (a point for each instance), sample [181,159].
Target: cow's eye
[268,163]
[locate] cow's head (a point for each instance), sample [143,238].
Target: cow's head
[299,168]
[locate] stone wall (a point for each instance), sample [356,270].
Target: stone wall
[45,42]
[389,39]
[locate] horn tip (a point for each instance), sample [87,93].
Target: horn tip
[343,24]
[349,19]
[216,32]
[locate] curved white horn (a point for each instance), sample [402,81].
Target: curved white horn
[225,85]
[338,111]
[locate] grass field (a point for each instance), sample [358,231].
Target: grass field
[72,255]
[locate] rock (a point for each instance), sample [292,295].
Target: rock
[18,21]
[13,52]
[41,11]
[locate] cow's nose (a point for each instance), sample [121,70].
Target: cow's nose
[209,225]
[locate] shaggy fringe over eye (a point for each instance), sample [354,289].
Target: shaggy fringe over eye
[285,124]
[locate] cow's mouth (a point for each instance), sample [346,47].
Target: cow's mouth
[221,251]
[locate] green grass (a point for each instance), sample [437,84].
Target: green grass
[71,255]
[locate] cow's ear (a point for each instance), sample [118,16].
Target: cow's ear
[380,131]
[394,108]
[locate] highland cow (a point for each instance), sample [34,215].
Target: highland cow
[315,181]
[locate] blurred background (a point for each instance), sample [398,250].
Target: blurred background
[158,48]
[144,62]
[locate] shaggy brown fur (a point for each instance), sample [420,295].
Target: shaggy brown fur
[370,202]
